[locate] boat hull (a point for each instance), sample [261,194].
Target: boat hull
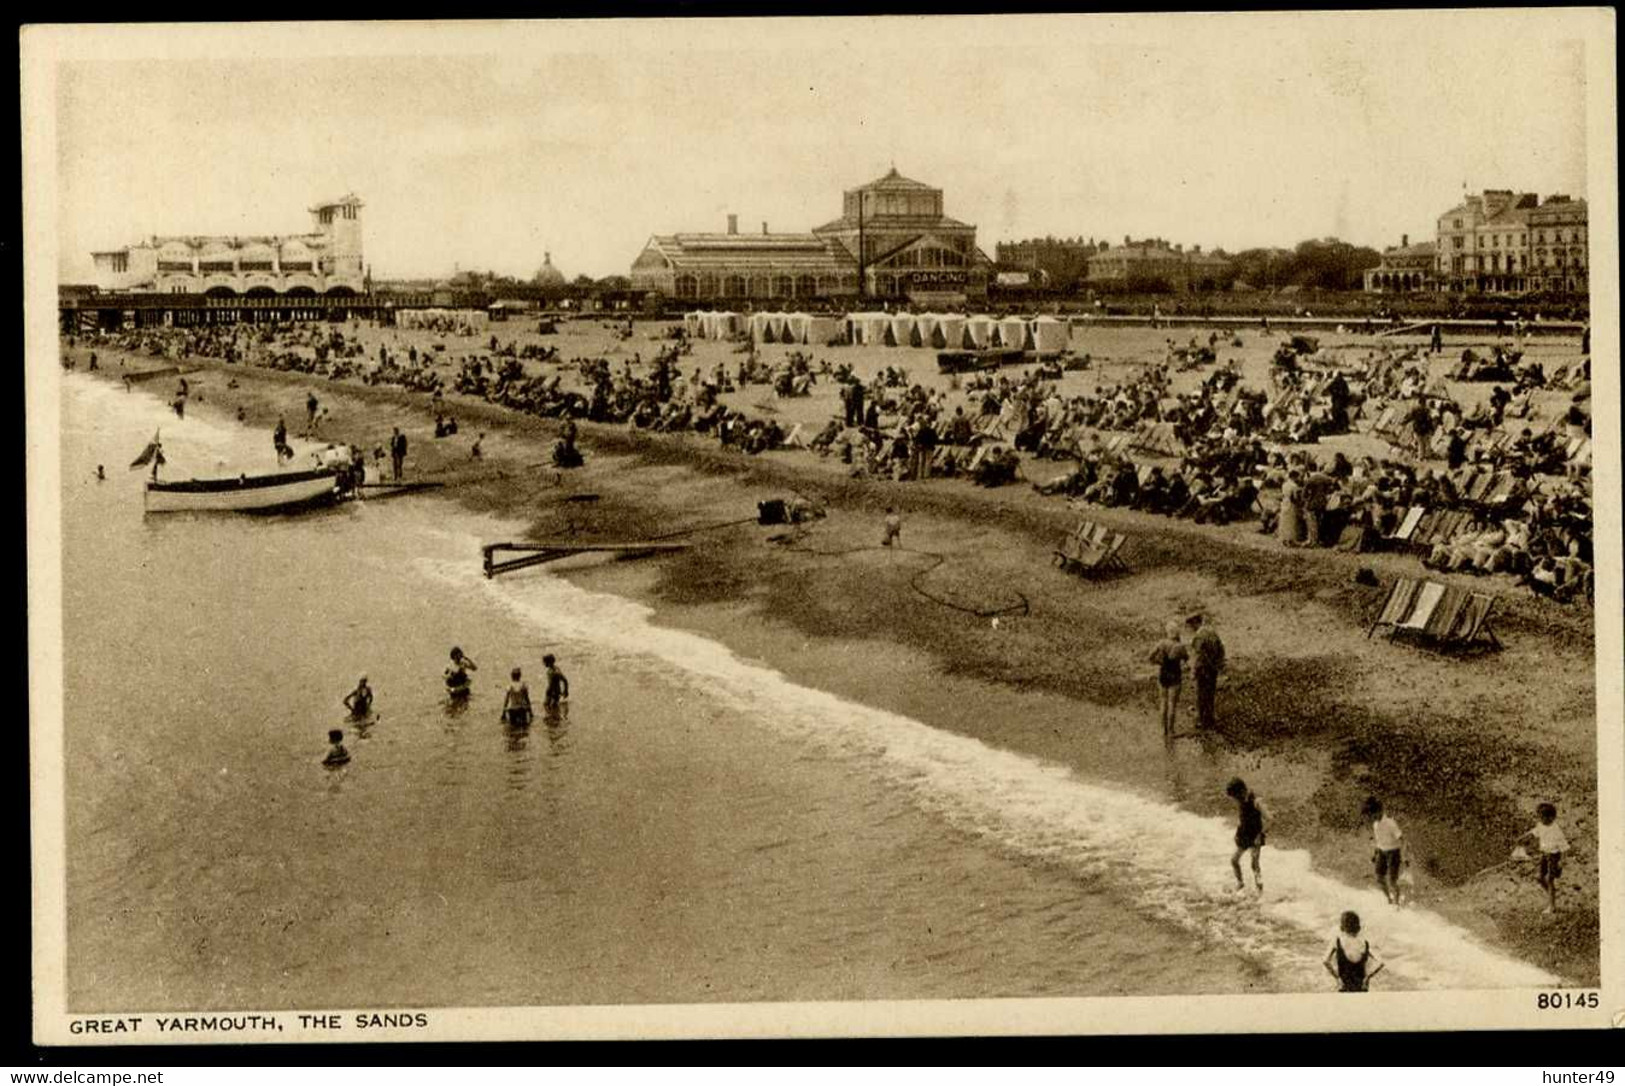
[282,493]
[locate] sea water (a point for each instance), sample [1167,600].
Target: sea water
[694,828]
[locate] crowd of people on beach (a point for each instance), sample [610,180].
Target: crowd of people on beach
[1523,501]
[1498,503]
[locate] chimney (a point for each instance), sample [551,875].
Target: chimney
[1404,240]
[764,228]
[733,224]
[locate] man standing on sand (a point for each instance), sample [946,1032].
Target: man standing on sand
[397,452]
[1207,660]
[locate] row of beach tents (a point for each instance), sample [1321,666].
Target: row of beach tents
[943,331]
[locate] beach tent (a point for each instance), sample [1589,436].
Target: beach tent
[691,323]
[820,330]
[795,327]
[870,328]
[1013,334]
[979,330]
[758,326]
[1049,334]
[730,324]
[925,328]
[775,327]
[902,329]
[951,331]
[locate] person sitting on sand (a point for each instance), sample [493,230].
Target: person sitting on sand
[336,754]
[516,702]
[359,700]
[1351,960]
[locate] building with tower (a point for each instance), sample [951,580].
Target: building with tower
[892,233]
[328,260]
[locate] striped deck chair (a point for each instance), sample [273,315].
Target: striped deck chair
[1478,486]
[1397,605]
[1113,558]
[1105,555]
[1475,621]
[1429,526]
[1447,614]
[1427,601]
[1503,490]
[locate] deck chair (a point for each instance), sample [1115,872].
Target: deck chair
[1397,605]
[1475,621]
[1478,486]
[1447,614]
[1426,602]
[1408,525]
[1113,558]
[1503,490]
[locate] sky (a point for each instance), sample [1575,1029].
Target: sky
[485,145]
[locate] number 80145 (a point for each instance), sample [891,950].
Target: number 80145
[1556,1001]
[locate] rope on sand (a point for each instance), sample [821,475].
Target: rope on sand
[1022,606]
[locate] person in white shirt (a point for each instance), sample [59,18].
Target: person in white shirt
[1387,851]
[1549,835]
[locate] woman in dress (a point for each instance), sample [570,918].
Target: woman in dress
[1289,527]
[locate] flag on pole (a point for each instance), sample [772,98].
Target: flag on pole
[152,454]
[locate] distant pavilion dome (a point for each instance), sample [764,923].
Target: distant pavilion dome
[547,275]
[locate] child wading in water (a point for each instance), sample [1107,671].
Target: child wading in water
[558,687]
[359,700]
[1351,959]
[1549,835]
[457,682]
[516,703]
[1249,831]
[337,755]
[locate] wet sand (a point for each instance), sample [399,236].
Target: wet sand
[1313,713]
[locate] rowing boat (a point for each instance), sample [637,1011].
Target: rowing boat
[276,493]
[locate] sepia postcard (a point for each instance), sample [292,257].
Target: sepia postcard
[801,527]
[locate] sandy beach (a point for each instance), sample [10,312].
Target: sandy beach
[1313,713]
